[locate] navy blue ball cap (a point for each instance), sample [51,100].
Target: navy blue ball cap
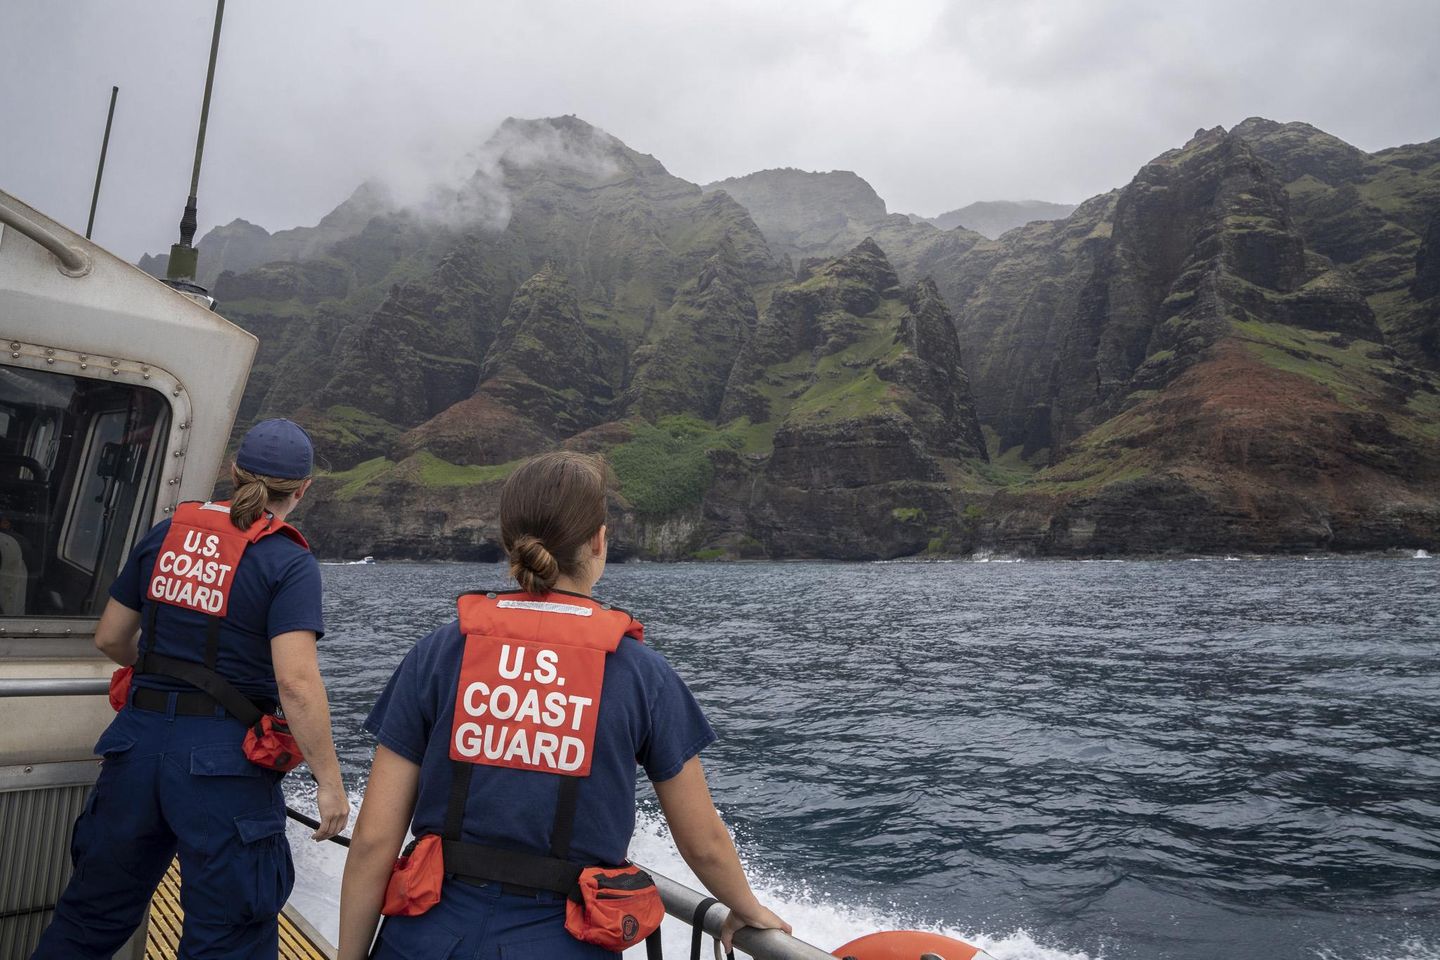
[277,448]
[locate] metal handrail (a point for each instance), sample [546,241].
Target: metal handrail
[681,901]
[53,687]
[74,262]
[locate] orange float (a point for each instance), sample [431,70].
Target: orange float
[906,945]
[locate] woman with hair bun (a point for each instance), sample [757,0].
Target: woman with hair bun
[214,620]
[508,743]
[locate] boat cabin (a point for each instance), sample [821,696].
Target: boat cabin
[117,399]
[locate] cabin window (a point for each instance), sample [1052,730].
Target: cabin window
[79,473]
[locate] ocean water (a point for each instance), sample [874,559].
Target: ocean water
[1180,760]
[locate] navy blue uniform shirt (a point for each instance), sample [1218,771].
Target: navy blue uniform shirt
[647,716]
[276,590]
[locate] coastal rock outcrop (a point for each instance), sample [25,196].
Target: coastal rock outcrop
[1238,350]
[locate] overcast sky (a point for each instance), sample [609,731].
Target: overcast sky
[937,104]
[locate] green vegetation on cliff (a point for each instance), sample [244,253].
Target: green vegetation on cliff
[666,466]
[423,469]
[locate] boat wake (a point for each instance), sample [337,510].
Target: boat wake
[825,923]
[815,918]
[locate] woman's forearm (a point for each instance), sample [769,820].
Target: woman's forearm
[117,635]
[308,713]
[362,891]
[379,831]
[702,839]
[303,698]
[717,865]
[705,845]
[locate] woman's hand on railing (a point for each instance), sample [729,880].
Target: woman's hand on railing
[759,916]
[334,810]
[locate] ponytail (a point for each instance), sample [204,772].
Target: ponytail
[254,492]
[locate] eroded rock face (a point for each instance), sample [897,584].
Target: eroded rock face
[1229,353]
[542,380]
[544,347]
[995,218]
[308,281]
[683,368]
[1070,319]
[1427,262]
[861,384]
[1368,213]
[801,213]
[820,216]
[1240,453]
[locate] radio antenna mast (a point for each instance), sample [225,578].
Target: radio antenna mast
[100,171]
[180,272]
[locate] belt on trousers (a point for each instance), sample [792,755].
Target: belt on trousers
[188,703]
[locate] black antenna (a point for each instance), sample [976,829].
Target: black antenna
[183,258]
[100,171]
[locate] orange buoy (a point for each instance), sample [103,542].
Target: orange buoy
[906,945]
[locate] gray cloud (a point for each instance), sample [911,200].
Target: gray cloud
[937,104]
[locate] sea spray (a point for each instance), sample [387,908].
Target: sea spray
[827,923]
[816,918]
[1407,948]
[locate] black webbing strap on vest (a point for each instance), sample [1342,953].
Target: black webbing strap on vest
[474,861]
[201,676]
[697,925]
[512,868]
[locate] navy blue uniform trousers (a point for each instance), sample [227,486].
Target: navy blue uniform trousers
[176,784]
[479,922]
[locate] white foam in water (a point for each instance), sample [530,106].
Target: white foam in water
[318,866]
[1422,554]
[1411,948]
[816,920]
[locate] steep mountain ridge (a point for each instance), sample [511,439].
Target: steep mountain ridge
[1367,212]
[1216,382]
[810,216]
[1176,365]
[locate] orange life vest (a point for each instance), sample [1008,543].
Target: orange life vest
[528,696]
[195,570]
[530,679]
[195,567]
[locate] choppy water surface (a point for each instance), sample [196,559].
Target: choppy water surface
[1121,760]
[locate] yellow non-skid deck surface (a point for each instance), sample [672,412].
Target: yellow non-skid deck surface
[163,940]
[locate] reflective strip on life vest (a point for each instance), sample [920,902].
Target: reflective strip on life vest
[541,605]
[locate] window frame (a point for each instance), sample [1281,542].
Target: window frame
[88,456]
[59,637]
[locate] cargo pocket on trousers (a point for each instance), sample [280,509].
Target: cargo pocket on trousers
[264,871]
[113,749]
[415,938]
[80,831]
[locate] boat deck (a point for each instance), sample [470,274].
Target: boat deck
[298,940]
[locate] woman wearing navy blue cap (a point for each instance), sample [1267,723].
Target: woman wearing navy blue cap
[509,741]
[215,615]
